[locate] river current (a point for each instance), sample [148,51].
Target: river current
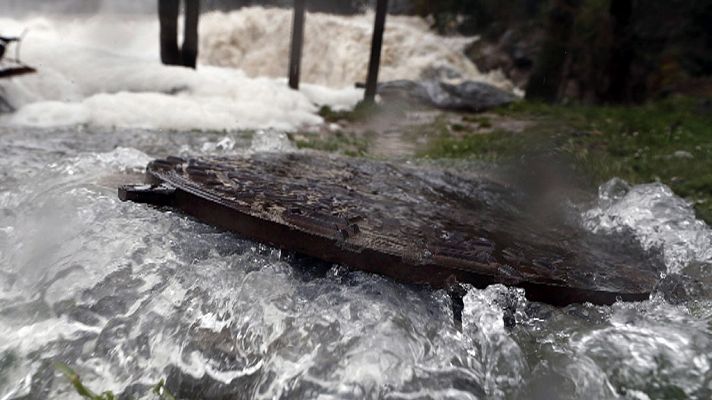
[128,295]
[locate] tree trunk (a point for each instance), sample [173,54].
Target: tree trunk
[545,81]
[621,12]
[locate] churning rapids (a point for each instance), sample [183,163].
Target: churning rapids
[129,294]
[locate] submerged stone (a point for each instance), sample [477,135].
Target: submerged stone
[418,225]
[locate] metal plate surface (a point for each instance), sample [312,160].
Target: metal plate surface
[419,225]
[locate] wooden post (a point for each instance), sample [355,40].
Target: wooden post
[189,51]
[376,43]
[168,11]
[295,54]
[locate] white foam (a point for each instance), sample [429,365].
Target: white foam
[103,71]
[336,48]
[657,217]
[30,337]
[79,83]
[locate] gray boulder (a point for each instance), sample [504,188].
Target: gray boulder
[464,96]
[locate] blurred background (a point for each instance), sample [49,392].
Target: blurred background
[620,51]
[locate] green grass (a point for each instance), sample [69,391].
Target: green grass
[668,141]
[362,110]
[349,145]
[492,146]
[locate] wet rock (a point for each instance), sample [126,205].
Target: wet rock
[441,72]
[465,96]
[513,53]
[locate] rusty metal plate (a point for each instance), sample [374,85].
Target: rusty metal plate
[418,225]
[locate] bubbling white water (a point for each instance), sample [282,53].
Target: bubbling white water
[103,70]
[128,295]
[336,48]
[658,218]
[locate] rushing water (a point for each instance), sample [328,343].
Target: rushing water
[128,294]
[103,70]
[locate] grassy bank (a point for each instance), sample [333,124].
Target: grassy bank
[668,141]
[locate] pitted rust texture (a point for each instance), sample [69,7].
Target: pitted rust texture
[417,225]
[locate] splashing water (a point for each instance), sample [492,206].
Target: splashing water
[98,71]
[86,78]
[336,48]
[270,141]
[129,294]
[658,219]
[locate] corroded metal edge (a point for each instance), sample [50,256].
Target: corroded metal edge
[200,206]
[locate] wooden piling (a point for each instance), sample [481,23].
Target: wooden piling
[295,54]
[189,51]
[168,11]
[376,44]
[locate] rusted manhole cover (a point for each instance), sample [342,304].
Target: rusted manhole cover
[416,225]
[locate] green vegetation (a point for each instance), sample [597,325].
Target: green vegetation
[480,120]
[668,141]
[363,110]
[346,144]
[82,390]
[159,389]
[496,145]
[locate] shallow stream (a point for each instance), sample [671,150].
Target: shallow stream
[128,295]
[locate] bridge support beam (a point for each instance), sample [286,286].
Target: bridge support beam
[295,53]
[376,44]
[168,12]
